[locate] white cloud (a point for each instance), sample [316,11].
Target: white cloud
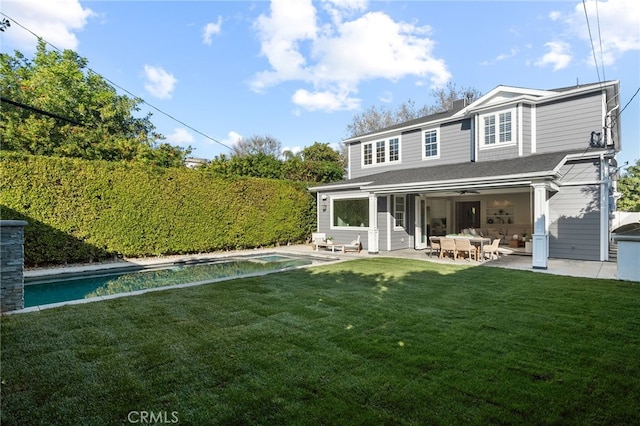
[555,15]
[180,136]
[210,30]
[324,100]
[558,55]
[615,22]
[332,59]
[54,21]
[232,138]
[159,83]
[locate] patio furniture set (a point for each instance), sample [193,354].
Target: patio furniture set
[319,240]
[458,245]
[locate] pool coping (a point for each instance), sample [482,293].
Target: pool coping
[136,265]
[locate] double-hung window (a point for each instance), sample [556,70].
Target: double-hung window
[399,211]
[367,154]
[497,129]
[431,147]
[381,152]
[394,149]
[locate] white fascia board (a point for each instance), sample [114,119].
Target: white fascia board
[338,187]
[483,102]
[509,180]
[399,130]
[581,156]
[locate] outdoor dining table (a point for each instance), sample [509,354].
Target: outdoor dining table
[476,240]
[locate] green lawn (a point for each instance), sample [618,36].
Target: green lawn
[370,341]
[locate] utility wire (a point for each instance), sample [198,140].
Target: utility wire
[600,40]
[41,111]
[122,88]
[593,50]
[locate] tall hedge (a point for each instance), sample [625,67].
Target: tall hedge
[82,210]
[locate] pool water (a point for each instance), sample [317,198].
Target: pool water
[46,291]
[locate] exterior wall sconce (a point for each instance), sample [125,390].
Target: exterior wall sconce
[324,203]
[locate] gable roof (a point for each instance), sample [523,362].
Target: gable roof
[497,96]
[485,174]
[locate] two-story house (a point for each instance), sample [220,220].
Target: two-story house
[515,161]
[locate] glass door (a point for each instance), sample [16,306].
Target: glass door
[422,221]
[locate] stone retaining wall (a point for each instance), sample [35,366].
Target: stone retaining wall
[11,265]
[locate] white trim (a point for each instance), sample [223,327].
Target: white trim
[604,210]
[349,157]
[349,196]
[438,144]
[404,213]
[534,129]
[520,140]
[496,114]
[389,222]
[386,161]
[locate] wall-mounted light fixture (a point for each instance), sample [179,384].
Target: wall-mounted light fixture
[324,203]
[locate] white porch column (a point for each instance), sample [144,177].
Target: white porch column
[372,242]
[540,226]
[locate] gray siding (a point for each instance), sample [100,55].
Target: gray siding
[568,124]
[526,130]
[574,231]
[455,147]
[400,238]
[455,143]
[574,214]
[503,153]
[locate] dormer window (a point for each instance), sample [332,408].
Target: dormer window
[381,152]
[497,129]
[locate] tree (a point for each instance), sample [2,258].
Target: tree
[629,187]
[53,105]
[375,118]
[266,145]
[248,165]
[317,163]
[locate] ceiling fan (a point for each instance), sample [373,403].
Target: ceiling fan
[468,191]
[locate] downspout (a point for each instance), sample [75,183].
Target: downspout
[604,209]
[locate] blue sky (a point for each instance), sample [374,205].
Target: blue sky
[299,70]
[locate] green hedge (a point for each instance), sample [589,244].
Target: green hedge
[82,210]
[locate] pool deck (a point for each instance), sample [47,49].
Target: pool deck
[508,259]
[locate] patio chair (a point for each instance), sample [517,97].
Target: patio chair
[433,246]
[492,249]
[464,246]
[352,246]
[447,245]
[318,238]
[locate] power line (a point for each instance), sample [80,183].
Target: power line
[604,78]
[41,111]
[122,88]
[593,50]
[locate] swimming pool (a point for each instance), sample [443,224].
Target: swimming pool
[56,289]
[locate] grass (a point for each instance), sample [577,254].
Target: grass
[370,341]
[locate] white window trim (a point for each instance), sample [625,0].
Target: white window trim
[514,129]
[374,152]
[350,196]
[395,213]
[432,157]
